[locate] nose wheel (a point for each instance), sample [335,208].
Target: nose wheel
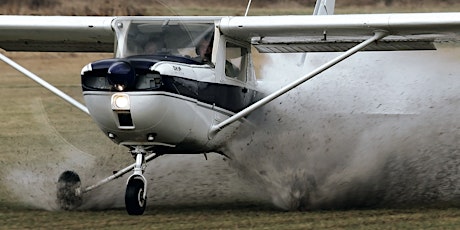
[135,197]
[136,188]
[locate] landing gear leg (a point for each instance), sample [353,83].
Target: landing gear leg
[136,188]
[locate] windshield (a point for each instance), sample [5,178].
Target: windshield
[170,38]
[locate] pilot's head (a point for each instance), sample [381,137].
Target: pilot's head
[204,48]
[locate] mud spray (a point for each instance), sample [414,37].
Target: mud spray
[376,130]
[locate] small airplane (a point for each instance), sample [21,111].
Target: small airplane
[185,84]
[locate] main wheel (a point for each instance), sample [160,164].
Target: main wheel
[69,191]
[134,197]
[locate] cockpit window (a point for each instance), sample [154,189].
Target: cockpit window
[167,37]
[236,60]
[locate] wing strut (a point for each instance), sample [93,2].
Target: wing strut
[216,128]
[44,83]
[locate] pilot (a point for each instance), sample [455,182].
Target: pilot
[204,49]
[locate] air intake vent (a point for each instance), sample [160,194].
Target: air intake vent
[125,120]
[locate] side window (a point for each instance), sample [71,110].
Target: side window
[236,59]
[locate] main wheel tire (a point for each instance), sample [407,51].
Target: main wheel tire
[69,191]
[134,197]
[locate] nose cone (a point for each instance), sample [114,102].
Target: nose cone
[121,75]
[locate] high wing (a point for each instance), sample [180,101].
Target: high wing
[56,33]
[329,33]
[269,34]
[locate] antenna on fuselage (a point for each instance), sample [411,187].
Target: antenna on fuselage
[247,8]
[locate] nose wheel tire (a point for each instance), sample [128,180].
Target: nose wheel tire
[134,197]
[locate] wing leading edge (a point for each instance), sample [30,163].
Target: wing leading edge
[273,34]
[328,33]
[57,33]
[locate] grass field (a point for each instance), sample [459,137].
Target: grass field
[230,216]
[41,135]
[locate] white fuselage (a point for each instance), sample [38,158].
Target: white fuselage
[166,121]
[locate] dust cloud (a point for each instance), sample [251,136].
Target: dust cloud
[378,130]
[31,180]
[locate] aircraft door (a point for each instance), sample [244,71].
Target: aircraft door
[239,68]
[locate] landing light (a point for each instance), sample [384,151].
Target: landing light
[120,101]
